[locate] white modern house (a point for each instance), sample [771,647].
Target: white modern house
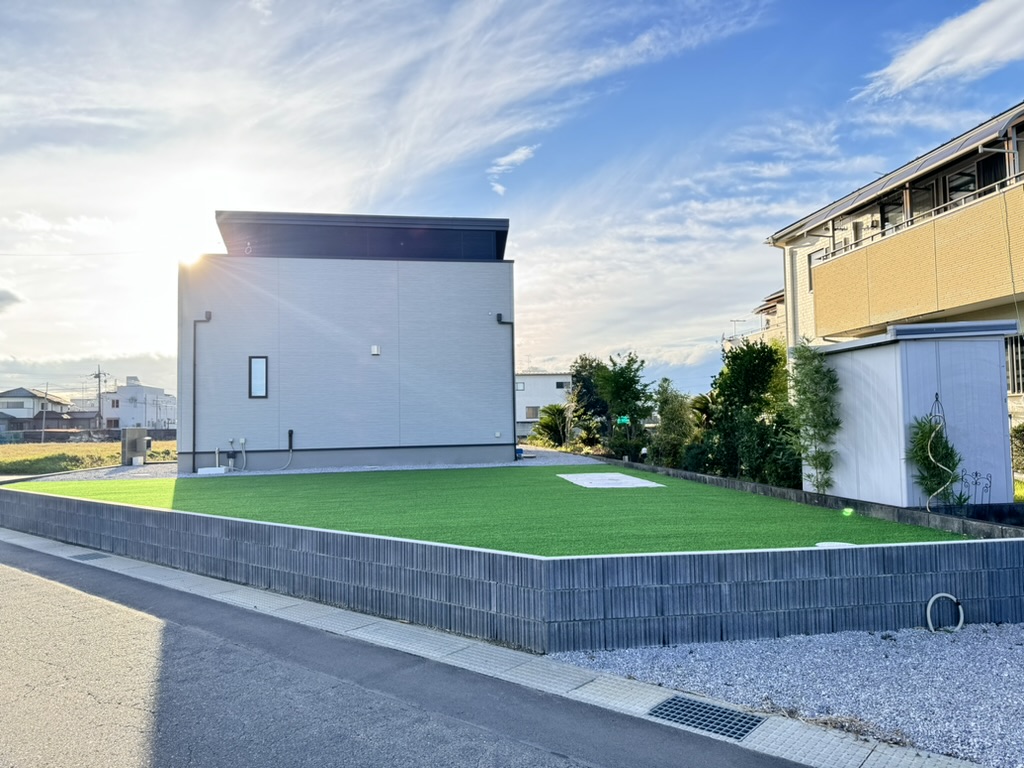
[534,390]
[134,404]
[332,340]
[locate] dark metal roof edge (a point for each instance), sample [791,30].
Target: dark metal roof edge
[359,220]
[996,127]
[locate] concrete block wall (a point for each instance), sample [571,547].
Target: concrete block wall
[556,604]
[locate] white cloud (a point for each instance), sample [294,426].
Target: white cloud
[894,118]
[262,7]
[25,221]
[506,164]
[512,160]
[355,107]
[963,48]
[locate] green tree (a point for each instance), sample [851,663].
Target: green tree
[746,432]
[816,422]
[629,400]
[586,372]
[676,425]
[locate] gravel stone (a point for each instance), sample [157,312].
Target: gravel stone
[953,693]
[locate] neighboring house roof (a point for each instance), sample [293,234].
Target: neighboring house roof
[25,392]
[6,416]
[992,129]
[345,236]
[82,415]
[771,302]
[51,415]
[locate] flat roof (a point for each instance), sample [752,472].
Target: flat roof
[357,236]
[995,128]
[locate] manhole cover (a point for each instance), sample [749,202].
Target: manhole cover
[703,716]
[89,556]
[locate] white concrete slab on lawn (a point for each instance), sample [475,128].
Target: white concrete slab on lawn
[609,480]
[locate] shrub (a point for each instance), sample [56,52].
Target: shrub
[1017,447]
[816,419]
[935,458]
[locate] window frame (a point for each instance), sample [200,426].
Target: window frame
[255,375]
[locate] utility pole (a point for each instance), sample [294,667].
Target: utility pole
[46,399]
[99,394]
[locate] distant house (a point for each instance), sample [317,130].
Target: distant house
[329,340]
[771,317]
[134,404]
[84,420]
[21,406]
[534,390]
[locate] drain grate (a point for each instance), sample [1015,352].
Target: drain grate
[88,556]
[711,718]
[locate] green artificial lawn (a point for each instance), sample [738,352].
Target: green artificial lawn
[516,509]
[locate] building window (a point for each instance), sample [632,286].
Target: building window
[115,403]
[991,170]
[113,423]
[1015,364]
[961,183]
[520,386]
[257,377]
[532,412]
[891,212]
[12,403]
[922,200]
[561,385]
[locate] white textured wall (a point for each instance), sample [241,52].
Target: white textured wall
[870,462]
[444,375]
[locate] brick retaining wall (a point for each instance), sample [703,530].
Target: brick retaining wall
[556,604]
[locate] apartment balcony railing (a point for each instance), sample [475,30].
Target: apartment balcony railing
[952,206]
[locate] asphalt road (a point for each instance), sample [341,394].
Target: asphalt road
[99,669]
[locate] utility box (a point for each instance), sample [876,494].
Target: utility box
[134,445]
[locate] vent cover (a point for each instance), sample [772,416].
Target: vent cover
[703,716]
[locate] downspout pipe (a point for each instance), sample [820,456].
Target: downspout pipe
[512,328]
[195,355]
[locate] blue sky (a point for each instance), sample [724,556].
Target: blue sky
[642,151]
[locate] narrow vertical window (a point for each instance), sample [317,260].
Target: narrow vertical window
[257,377]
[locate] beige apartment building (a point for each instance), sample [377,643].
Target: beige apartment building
[938,239]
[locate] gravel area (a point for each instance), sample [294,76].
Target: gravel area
[953,693]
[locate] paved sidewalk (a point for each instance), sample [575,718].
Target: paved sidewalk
[774,735]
